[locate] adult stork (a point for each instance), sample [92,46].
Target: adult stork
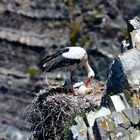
[69,57]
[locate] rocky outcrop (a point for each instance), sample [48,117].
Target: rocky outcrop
[103,124]
[51,9]
[30,38]
[121,117]
[11,133]
[118,125]
[13,98]
[124,72]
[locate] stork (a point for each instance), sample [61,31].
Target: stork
[69,57]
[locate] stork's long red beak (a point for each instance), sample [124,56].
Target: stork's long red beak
[87,81]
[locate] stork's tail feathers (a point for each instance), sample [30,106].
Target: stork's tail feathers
[43,63]
[49,63]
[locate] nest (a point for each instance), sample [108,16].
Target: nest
[51,111]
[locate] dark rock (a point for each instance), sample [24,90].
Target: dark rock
[42,10]
[130,7]
[124,72]
[124,76]
[116,80]
[110,8]
[12,133]
[4,88]
[113,12]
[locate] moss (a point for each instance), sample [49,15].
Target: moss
[69,2]
[65,23]
[70,123]
[83,41]
[97,108]
[125,32]
[57,138]
[32,138]
[91,43]
[92,17]
[32,71]
[74,32]
[90,1]
[111,94]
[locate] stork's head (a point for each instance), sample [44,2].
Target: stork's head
[91,74]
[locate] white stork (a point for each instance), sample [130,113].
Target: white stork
[69,57]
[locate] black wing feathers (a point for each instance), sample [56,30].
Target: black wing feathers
[60,61]
[50,57]
[56,60]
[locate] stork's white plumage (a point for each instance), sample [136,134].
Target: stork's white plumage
[81,89]
[69,57]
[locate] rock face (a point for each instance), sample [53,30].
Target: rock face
[124,72]
[51,24]
[79,130]
[12,133]
[118,125]
[121,118]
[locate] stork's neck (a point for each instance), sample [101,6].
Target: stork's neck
[89,69]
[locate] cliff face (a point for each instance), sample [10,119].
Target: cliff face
[30,29]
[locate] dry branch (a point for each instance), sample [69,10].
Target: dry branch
[51,111]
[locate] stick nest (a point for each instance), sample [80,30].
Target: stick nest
[51,110]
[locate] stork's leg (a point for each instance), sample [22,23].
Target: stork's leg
[71,78]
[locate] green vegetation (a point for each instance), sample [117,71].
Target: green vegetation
[32,71]
[69,2]
[125,32]
[57,138]
[83,41]
[74,32]
[91,43]
[111,94]
[70,123]
[92,17]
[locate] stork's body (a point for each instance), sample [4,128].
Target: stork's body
[68,57]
